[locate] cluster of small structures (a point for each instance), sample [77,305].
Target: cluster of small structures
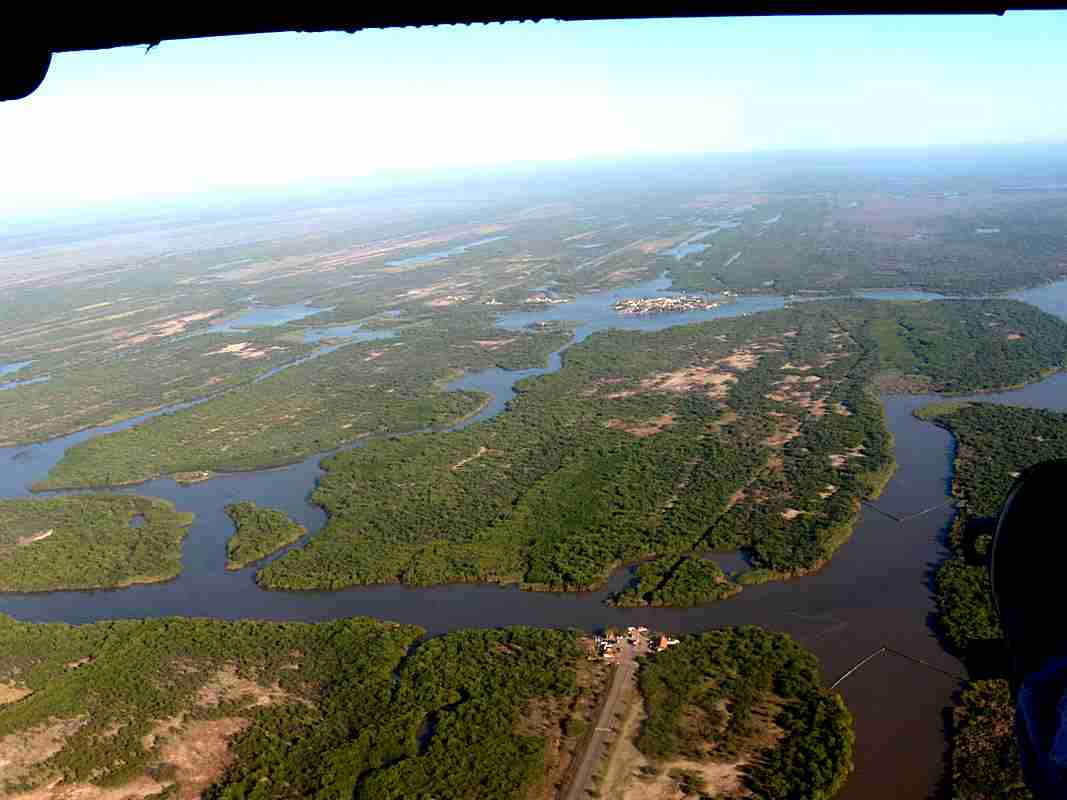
[543,299]
[665,305]
[640,639]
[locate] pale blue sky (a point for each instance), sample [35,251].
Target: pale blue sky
[269,111]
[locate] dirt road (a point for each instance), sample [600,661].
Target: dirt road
[623,680]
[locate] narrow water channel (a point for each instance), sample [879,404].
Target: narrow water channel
[873,593]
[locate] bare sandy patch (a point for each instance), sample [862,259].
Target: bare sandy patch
[57,790]
[735,498]
[374,354]
[243,350]
[798,367]
[448,300]
[481,452]
[227,685]
[740,360]
[791,513]
[828,491]
[21,751]
[840,459]
[201,753]
[684,380]
[1014,337]
[649,427]
[782,437]
[630,775]
[10,692]
[655,245]
[623,274]
[494,344]
[34,537]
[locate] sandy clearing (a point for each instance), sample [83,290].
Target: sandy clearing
[649,427]
[493,344]
[10,692]
[840,459]
[57,790]
[481,452]
[626,778]
[201,753]
[243,350]
[740,360]
[1014,337]
[782,437]
[828,491]
[684,380]
[36,537]
[226,685]
[791,513]
[655,245]
[22,750]
[735,498]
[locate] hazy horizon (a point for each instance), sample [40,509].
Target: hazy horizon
[241,116]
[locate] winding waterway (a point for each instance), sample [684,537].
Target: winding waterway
[873,593]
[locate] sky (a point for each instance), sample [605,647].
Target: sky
[260,113]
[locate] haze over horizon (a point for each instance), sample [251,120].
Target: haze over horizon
[254,114]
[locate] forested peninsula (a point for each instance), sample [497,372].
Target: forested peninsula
[993,445]
[761,433]
[88,541]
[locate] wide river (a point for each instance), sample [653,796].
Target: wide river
[875,591]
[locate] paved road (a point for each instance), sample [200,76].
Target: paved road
[622,681]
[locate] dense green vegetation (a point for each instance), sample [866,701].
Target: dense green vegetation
[716,695]
[88,541]
[636,447]
[993,444]
[667,581]
[310,408]
[853,240]
[985,759]
[967,345]
[758,432]
[334,709]
[260,532]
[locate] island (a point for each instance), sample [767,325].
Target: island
[259,532]
[89,541]
[665,305]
